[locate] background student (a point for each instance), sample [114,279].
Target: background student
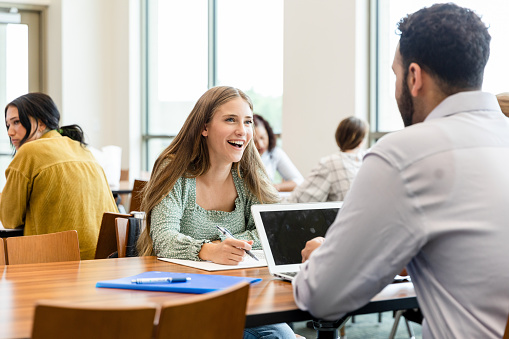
[53,182]
[431,197]
[331,179]
[210,175]
[274,158]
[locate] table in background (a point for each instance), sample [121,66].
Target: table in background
[124,187]
[10,232]
[270,301]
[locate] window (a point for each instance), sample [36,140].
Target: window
[386,116]
[19,66]
[192,46]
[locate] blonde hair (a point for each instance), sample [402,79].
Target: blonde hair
[188,156]
[503,101]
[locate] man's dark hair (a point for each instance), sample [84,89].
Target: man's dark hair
[449,42]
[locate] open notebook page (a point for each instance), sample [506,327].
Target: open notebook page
[210,266]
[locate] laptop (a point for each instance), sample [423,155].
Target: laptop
[284,230]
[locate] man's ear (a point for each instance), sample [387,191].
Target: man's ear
[205,133]
[414,79]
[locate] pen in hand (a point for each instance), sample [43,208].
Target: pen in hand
[229,235]
[160,280]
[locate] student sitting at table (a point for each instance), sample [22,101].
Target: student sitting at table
[210,175]
[331,179]
[53,183]
[274,158]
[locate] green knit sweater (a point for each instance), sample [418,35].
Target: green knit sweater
[179,226]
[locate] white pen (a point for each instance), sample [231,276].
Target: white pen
[160,280]
[229,235]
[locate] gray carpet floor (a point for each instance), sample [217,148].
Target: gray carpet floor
[367,327]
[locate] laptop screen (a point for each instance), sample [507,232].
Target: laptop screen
[288,231]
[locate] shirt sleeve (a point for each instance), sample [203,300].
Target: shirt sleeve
[15,196]
[165,221]
[375,235]
[316,186]
[286,168]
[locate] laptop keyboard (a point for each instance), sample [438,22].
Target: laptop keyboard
[291,274]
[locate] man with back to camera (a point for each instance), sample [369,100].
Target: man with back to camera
[432,197]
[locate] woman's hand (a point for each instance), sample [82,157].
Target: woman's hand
[228,252]
[311,245]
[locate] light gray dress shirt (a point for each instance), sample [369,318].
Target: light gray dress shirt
[433,197]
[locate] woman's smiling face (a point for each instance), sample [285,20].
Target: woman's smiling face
[229,132]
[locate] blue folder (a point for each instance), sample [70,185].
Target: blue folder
[199,283]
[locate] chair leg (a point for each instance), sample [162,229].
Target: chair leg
[410,329]
[342,332]
[395,325]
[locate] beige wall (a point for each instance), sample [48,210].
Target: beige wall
[325,74]
[93,73]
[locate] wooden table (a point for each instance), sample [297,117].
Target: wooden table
[125,187]
[270,301]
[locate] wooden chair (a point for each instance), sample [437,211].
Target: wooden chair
[122,232]
[222,315]
[127,233]
[52,247]
[2,252]
[107,243]
[136,195]
[58,320]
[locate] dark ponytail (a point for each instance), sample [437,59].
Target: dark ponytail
[73,132]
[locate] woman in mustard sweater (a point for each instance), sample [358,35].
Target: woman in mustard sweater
[53,183]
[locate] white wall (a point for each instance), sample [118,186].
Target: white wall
[96,71]
[325,42]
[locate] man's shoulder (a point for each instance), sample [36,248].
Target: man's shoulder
[410,144]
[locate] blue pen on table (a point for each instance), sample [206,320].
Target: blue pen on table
[229,235]
[160,280]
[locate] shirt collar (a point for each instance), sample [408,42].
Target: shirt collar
[465,102]
[51,134]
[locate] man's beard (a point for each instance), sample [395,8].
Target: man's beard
[406,105]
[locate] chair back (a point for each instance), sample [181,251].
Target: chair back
[221,314]
[136,196]
[107,241]
[2,252]
[58,320]
[122,228]
[51,247]
[128,231]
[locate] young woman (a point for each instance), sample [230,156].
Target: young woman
[332,178]
[210,175]
[53,183]
[274,158]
